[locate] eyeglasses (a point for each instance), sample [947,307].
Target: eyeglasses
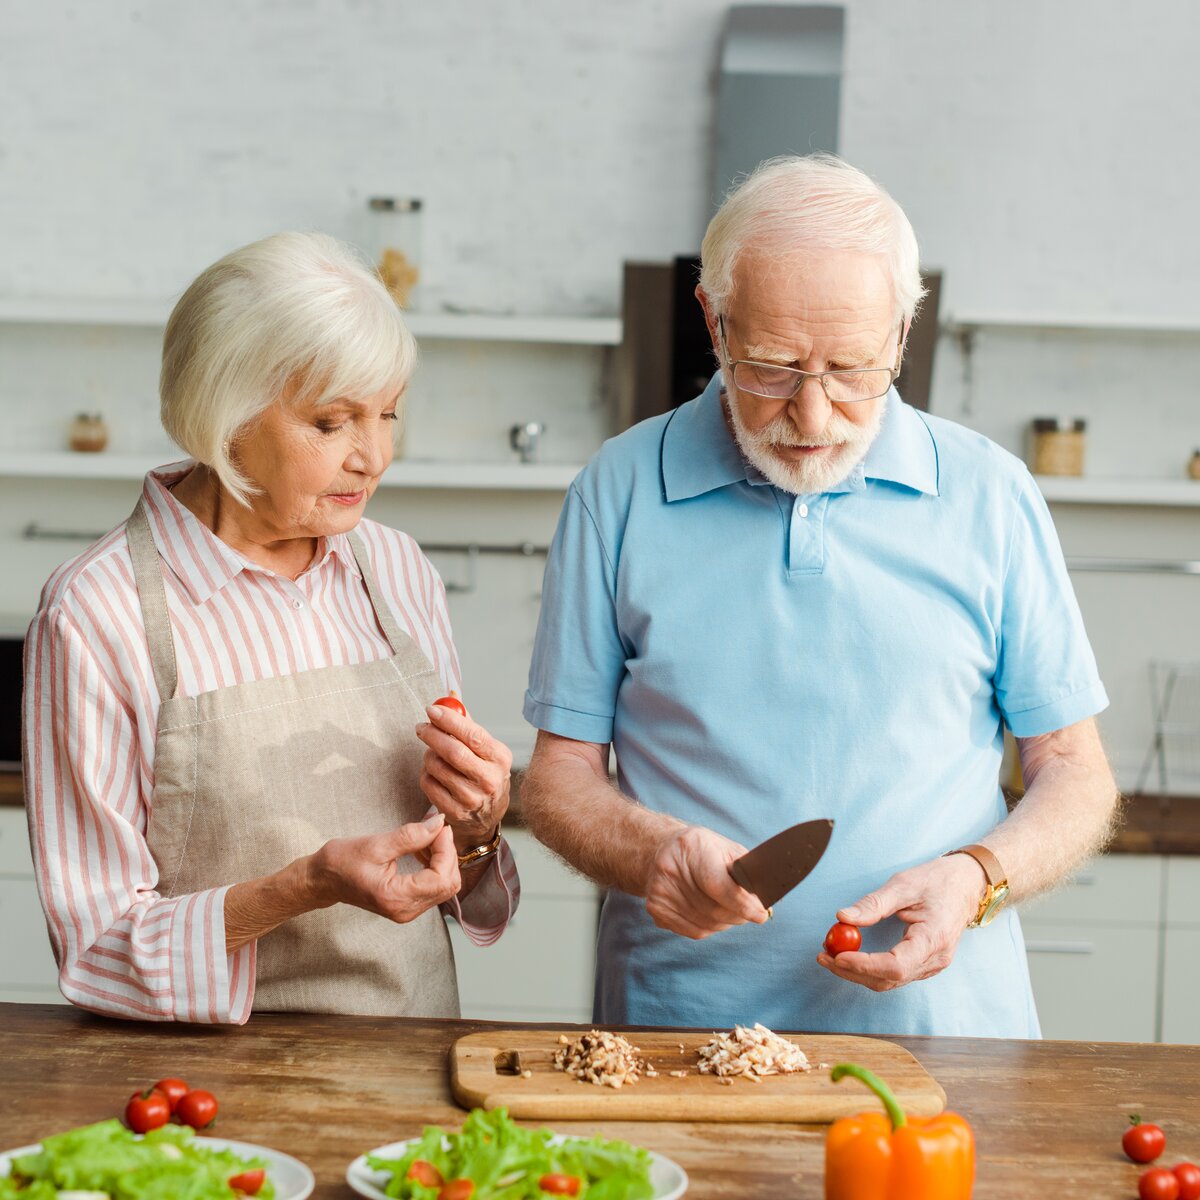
[782,383]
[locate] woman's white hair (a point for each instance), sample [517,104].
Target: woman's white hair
[295,312]
[812,202]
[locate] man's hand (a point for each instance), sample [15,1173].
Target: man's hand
[689,889]
[936,900]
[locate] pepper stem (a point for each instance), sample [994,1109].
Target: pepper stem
[881,1089]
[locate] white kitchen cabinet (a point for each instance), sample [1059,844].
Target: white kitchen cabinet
[543,968]
[1094,947]
[1181,953]
[27,970]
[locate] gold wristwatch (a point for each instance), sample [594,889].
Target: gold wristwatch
[478,853]
[997,889]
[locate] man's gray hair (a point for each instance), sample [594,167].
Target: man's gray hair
[813,202]
[300,312]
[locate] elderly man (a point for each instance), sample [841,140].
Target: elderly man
[796,597]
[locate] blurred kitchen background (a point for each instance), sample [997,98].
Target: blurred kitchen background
[548,167]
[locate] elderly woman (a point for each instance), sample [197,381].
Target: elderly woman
[241,794]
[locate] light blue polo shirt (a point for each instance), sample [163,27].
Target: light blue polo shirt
[758,659]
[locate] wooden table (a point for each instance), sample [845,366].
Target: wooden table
[1048,1116]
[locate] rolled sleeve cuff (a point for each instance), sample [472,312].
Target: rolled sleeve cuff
[208,985]
[484,914]
[1058,714]
[568,722]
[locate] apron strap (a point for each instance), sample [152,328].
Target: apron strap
[152,595]
[402,644]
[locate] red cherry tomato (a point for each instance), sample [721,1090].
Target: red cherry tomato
[454,703]
[1143,1143]
[173,1089]
[1188,1175]
[425,1173]
[197,1108]
[842,938]
[464,1189]
[560,1185]
[1158,1184]
[248,1181]
[147,1110]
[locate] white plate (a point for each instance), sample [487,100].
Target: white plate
[668,1178]
[292,1179]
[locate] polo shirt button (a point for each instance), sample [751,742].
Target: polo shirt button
[297,603]
[803,510]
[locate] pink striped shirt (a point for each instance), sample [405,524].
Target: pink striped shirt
[90,727]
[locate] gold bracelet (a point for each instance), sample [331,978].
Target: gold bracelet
[479,853]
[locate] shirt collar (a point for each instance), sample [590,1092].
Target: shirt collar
[201,561]
[699,453]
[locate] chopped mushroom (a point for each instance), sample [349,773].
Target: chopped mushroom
[606,1059]
[751,1053]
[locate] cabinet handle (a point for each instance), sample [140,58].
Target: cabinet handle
[1084,881]
[1047,947]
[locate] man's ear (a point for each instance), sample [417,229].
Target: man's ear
[710,318]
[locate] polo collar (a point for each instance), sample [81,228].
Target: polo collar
[699,453]
[201,561]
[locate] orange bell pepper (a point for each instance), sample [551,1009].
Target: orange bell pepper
[878,1156]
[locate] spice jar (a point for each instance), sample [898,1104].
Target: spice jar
[1194,465]
[394,239]
[88,433]
[1057,446]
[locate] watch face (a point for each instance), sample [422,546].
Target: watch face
[995,904]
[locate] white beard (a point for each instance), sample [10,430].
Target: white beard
[808,476]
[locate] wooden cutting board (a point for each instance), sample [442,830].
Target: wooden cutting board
[485,1070]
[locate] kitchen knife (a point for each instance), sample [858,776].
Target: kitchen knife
[772,869]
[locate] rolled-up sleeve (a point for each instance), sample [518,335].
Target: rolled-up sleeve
[579,658]
[1046,676]
[122,949]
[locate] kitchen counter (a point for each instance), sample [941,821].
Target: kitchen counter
[1048,1116]
[1149,827]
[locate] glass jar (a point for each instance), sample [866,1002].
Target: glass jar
[1057,446]
[88,433]
[394,241]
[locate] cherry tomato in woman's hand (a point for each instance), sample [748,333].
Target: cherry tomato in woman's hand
[248,1181]
[147,1110]
[425,1173]
[197,1108]
[457,1189]
[1188,1175]
[842,938]
[1158,1184]
[560,1185]
[454,703]
[1143,1143]
[173,1089]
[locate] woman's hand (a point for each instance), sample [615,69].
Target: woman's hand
[465,775]
[362,871]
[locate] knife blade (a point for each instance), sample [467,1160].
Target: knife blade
[773,868]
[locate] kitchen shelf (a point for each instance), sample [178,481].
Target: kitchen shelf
[152,314]
[1163,493]
[954,325]
[407,473]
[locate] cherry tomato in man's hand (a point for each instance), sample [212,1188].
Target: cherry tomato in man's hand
[197,1108]
[454,703]
[560,1185]
[248,1182]
[147,1110]
[173,1089]
[425,1173]
[842,938]
[1188,1175]
[1158,1184]
[457,1189]
[1143,1143]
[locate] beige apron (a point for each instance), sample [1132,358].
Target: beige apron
[251,777]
